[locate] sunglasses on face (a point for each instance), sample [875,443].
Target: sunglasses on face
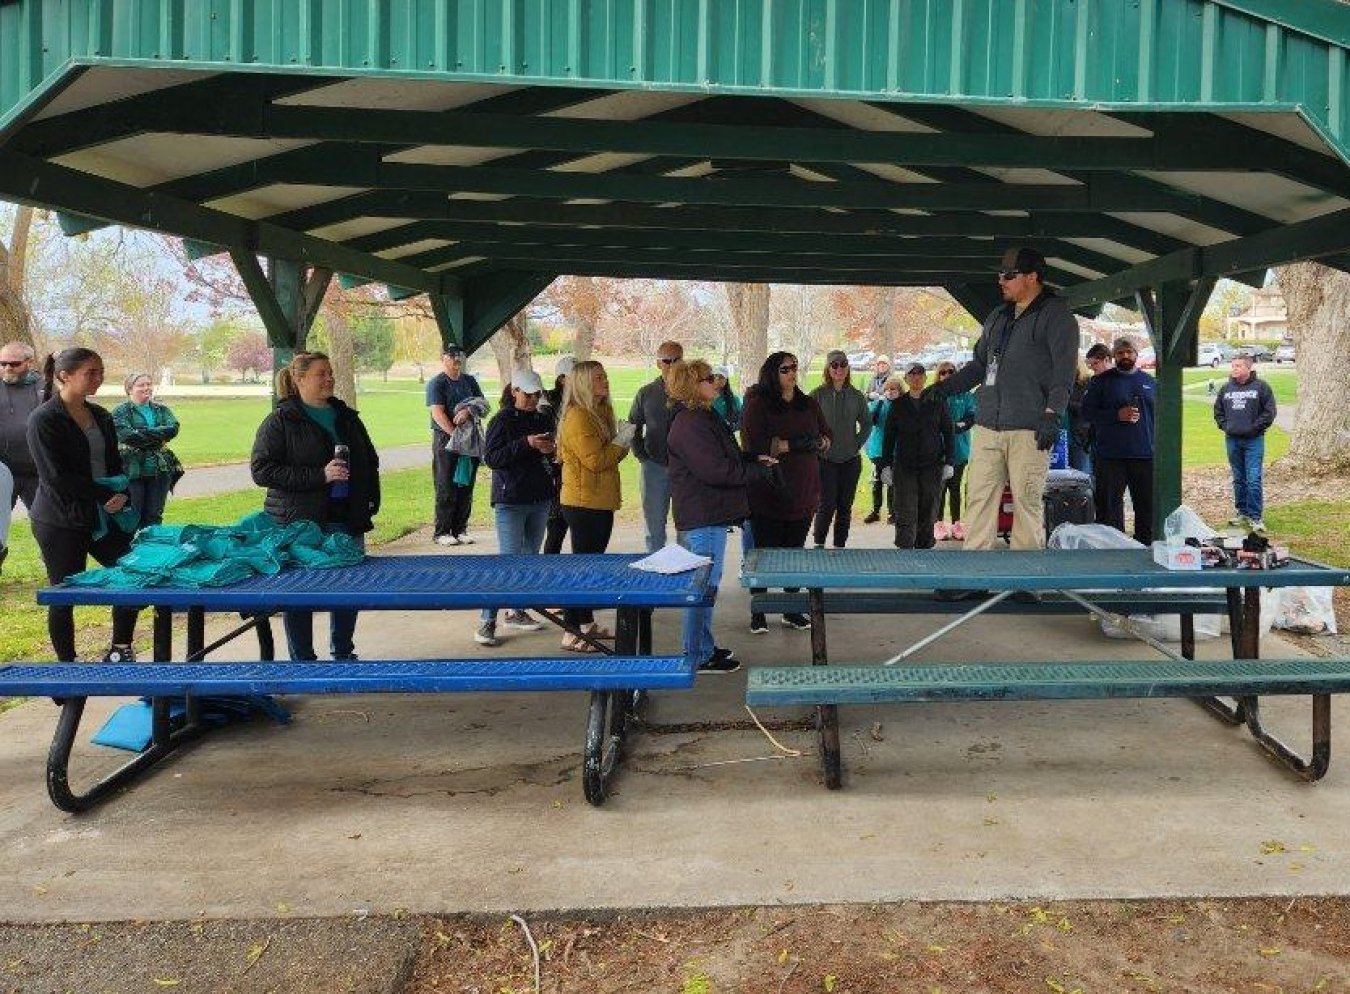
[839,365]
[1008,275]
[11,363]
[707,379]
[787,369]
[945,372]
[666,360]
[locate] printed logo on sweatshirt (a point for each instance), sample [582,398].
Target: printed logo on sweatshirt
[1237,399]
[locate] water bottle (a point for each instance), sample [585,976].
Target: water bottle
[339,489]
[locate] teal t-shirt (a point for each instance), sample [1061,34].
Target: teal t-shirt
[147,412]
[325,417]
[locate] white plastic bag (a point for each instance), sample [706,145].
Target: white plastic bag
[1162,627]
[1183,523]
[1307,611]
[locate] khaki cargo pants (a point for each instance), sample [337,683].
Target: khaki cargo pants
[999,459]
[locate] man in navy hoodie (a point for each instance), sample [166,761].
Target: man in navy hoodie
[1119,405]
[1243,410]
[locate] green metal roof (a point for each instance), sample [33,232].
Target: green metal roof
[475,148]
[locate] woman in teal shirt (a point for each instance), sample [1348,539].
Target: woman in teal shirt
[962,409]
[144,429]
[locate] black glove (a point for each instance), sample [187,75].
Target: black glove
[773,476]
[804,443]
[962,425]
[1047,431]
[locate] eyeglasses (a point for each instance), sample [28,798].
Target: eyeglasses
[838,365]
[1008,275]
[710,378]
[788,369]
[10,363]
[666,360]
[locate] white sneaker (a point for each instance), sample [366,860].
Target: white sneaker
[464,538]
[446,540]
[487,634]
[522,621]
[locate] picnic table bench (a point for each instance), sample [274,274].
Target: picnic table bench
[1099,581]
[616,680]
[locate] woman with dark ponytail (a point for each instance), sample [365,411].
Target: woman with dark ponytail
[82,493]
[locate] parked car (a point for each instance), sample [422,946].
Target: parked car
[1285,353]
[861,360]
[1258,353]
[1214,354]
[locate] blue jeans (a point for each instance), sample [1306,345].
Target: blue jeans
[1245,458]
[520,532]
[698,634]
[148,496]
[654,482]
[299,625]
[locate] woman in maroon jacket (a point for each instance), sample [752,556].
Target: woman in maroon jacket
[708,479]
[781,421]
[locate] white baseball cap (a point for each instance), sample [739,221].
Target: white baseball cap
[527,380]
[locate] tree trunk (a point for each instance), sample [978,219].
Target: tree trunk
[510,347]
[750,315]
[884,338]
[342,354]
[1318,301]
[16,322]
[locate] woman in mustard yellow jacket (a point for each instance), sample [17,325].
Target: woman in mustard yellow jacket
[590,447]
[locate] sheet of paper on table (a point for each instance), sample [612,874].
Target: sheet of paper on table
[671,559]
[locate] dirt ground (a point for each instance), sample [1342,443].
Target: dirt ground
[1089,947]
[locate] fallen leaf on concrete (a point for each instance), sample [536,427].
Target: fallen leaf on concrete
[1272,847]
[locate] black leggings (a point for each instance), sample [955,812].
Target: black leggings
[951,491]
[65,552]
[838,486]
[771,533]
[590,530]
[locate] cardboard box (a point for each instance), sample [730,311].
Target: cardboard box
[1177,557]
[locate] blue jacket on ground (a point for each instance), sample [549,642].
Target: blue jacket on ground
[1106,394]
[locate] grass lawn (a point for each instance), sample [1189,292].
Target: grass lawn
[1284,383]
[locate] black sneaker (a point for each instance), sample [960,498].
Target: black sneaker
[721,661]
[4,554]
[120,654]
[758,626]
[872,518]
[798,621]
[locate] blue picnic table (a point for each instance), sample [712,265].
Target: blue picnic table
[617,679]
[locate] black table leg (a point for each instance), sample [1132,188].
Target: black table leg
[1229,714]
[827,715]
[610,711]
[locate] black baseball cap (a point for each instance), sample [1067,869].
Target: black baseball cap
[452,352]
[1024,260]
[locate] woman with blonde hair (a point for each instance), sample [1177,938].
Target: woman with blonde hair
[709,480]
[591,444]
[144,429]
[317,462]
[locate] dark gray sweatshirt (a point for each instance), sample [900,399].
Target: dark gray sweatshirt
[1037,353]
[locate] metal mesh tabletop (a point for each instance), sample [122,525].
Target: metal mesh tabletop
[425,583]
[1074,569]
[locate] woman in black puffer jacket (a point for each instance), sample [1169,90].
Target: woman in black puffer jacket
[294,458]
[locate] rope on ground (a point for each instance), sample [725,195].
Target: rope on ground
[534,950]
[769,735]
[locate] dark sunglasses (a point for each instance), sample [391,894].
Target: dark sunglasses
[1005,275]
[710,378]
[839,365]
[12,362]
[666,360]
[787,369]
[945,372]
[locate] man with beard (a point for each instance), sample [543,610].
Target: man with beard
[1119,406]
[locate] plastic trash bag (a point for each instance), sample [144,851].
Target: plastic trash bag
[1162,627]
[1183,523]
[1307,611]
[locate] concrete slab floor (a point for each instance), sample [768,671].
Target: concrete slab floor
[473,803]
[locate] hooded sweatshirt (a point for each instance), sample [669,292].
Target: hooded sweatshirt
[1245,410]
